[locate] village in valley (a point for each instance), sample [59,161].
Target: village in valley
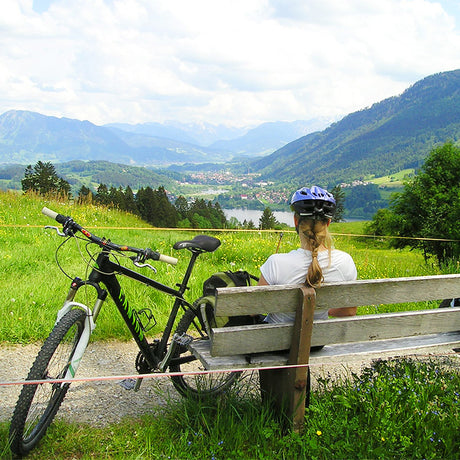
[246,189]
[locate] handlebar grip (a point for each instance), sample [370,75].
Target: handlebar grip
[168,259]
[54,215]
[49,213]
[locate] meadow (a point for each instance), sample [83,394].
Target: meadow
[33,287]
[362,416]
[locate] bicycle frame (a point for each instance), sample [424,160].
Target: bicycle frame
[106,272]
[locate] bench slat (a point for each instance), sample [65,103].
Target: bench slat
[277,336]
[202,350]
[257,299]
[386,326]
[260,299]
[389,291]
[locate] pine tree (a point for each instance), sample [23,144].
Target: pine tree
[85,195]
[129,201]
[182,207]
[145,202]
[102,195]
[339,196]
[43,179]
[267,221]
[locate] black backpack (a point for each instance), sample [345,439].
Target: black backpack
[205,304]
[450,303]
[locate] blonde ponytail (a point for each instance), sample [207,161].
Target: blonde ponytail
[313,235]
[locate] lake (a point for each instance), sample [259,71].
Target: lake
[284,217]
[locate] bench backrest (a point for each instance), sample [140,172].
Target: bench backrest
[272,337]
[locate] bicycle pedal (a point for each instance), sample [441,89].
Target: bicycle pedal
[128,384]
[182,339]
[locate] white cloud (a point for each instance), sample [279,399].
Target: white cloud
[239,62]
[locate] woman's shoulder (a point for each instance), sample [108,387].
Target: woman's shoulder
[340,254]
[289,255]
[281,259]
[343,262]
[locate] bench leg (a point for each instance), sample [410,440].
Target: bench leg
[279,390]
[288,390]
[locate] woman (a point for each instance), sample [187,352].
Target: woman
[315,261]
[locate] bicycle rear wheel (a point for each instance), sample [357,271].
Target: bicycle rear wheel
[38,403]
[197,386]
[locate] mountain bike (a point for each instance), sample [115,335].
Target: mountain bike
[61,353]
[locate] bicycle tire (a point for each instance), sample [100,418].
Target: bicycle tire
[198,386]
[38,403]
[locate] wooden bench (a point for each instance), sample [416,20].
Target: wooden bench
[281,344]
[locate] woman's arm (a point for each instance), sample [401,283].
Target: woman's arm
[338,312]
[262,281]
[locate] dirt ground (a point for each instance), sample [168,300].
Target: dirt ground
[102,402]
[95,402]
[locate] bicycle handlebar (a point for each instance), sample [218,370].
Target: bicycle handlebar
[70,226]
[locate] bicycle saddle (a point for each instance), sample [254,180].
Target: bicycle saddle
[200,242]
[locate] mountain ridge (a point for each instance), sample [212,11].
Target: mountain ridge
[394,134]
[26,137]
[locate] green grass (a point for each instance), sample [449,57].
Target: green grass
[394,409]
[393,180]
[32,287]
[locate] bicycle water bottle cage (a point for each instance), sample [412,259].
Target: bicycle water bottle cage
[201,243]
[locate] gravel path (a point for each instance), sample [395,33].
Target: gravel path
[98,402]
[102,402]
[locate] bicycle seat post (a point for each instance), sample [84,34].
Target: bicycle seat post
[198,245]
[184,284]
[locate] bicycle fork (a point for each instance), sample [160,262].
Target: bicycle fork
[90,324]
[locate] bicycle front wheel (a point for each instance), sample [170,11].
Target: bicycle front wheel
[38,403]
[197,386]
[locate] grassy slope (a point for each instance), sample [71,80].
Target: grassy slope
[32,287]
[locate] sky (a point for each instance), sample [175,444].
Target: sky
[238,63]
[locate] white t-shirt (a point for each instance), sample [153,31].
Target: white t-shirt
[292,267]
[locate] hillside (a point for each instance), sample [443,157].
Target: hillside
[390,136]
[91,174]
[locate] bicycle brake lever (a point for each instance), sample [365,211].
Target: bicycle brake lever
[55,228]
[139,265]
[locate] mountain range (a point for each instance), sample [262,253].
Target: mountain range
[26,137]
[392,135]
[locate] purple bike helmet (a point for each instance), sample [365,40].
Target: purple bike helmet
[314,203]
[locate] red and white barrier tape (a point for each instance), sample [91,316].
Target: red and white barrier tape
[202,372]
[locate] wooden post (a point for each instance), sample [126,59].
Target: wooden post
[286,389]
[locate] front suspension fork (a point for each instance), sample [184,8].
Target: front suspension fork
[90,321]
